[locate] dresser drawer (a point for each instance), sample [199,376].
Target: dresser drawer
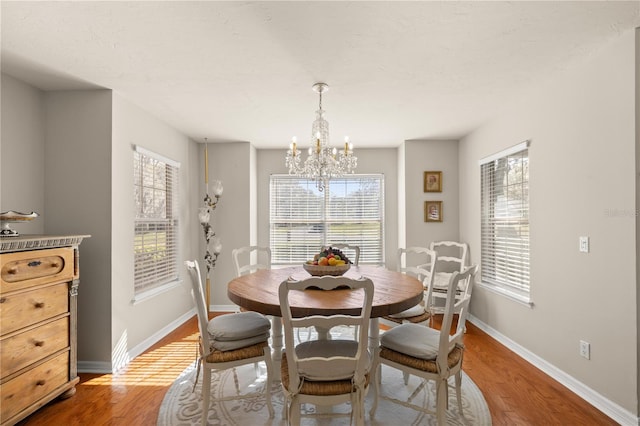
[26,269]
[24,390]
[24,349]
[22,309]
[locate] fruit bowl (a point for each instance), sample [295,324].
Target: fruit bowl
[318,271]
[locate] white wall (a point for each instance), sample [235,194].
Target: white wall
[22,153]
[582,182]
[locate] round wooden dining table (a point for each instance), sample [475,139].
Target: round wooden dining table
[394,292]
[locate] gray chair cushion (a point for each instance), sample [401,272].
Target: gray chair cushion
[230,345]
[412,339]
[411,312]
[238,326]
[327,349]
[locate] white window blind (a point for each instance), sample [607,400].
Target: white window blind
[303,219]
[505,222]
[156,220]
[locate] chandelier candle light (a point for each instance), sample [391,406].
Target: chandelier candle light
[322,162]
[204,215]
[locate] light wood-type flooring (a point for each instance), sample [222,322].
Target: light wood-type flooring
[517,393]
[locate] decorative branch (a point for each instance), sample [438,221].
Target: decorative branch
[209,235]
[204,215]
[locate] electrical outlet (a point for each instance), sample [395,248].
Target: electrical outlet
[585,349]
[584,244]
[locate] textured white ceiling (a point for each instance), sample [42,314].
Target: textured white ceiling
[238,71]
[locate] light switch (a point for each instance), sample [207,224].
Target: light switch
[584,244]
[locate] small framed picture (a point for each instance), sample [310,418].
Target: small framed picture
[433,211]
[432,181]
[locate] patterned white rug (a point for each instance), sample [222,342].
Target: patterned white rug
[181,406]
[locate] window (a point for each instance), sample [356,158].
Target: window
[303,219]
[505,222]
[156,221]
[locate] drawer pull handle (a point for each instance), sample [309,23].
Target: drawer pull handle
[39,343]
[40,382]
[39,305]
[34,263]
[12,271]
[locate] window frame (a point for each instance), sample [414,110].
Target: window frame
[506,261]
[369,236]
[145,285]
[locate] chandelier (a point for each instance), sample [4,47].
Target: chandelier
[322,162]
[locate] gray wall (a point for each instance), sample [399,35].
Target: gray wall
[79,177]
[137,326]
[637,94]
[22,164]
[421,156]
[232,220]
[77,187]
[582,183]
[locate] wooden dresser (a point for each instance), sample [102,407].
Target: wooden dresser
[39,278]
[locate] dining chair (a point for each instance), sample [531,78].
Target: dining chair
[353,254]
[249,259]
[352,251]
[428,353]
[419,263]
[452,257]
[325,372]
[229,341]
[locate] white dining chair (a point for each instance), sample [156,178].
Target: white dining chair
[326,372]
[249,259]
[352,251]
[419,263]
[229,341]
[428,353]
[452,256]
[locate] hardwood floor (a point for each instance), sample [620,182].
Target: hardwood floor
[516,392]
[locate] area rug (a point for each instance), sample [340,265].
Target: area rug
[181,405]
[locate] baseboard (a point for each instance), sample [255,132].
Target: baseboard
[223,308]
[158,335]
[121,356]
[608,407]
[94,367]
